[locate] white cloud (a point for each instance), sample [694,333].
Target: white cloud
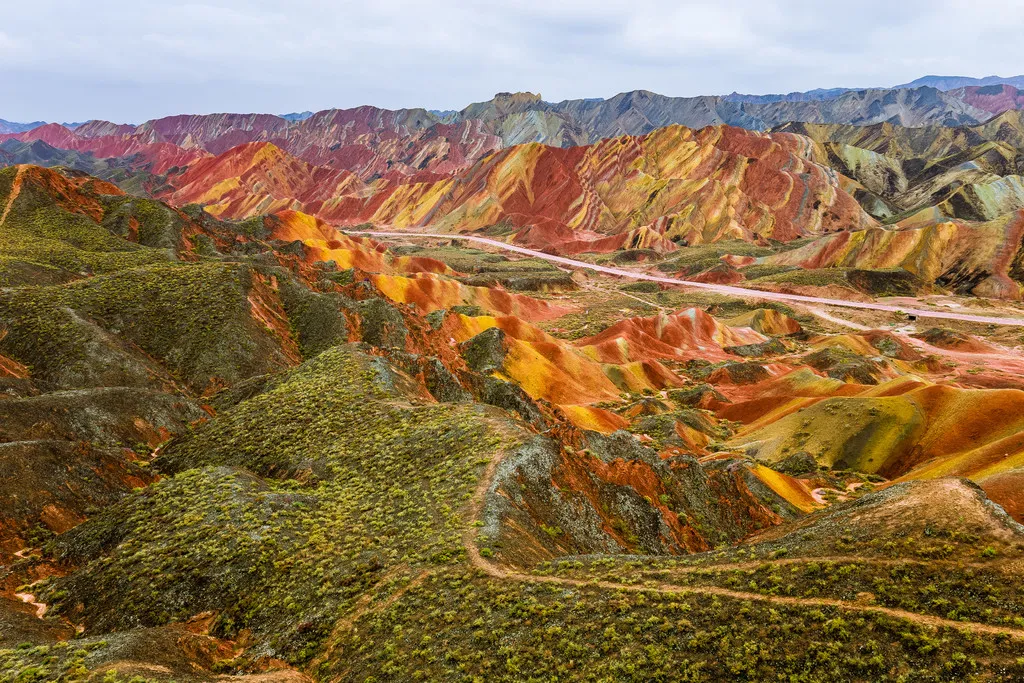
[133,59]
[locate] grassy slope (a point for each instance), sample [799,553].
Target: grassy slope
[195,317]
[384,481]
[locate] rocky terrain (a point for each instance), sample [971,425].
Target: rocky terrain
[636,389]
[672,186]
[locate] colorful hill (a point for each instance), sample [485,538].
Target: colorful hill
[974,258]
[900,430]
[674,184]
[970,173]
[258,178]
[688,334]
[264,450]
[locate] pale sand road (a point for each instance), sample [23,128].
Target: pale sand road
[721,289]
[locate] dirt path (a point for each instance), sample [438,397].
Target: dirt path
[833,319]
[1010,565]
[923,619]
[30,599]
[590,286]
[15,191]
[721,289]
[494,570]
[915,617]
[476,507]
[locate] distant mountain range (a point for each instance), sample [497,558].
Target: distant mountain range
[607,172]
[954,82]
[373,143]
[297,116]
[943,83]
[7,127]
[959,100]
[14,127]
[809,96]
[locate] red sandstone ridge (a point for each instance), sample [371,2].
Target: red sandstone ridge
[674,185]
[73,193]
[258,178]
[687,334]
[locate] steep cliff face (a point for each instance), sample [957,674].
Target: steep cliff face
[617,496]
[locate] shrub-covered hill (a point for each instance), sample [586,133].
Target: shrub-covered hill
[287,508]
[110,329]
[196,318]
[343,479]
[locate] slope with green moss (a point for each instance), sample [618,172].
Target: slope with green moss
[52,224]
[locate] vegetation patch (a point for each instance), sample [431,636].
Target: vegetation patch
[285,509]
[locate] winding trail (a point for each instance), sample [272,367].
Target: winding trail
[507,573]
[721,289]
[915,617]
[829,559]
[15,191]
[476,503]
[363,606]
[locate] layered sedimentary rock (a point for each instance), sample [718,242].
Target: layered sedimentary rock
[674,184]
[969,172]
[983,259]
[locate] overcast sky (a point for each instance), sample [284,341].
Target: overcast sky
[130,60]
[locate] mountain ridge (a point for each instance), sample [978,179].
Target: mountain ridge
[592,118]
